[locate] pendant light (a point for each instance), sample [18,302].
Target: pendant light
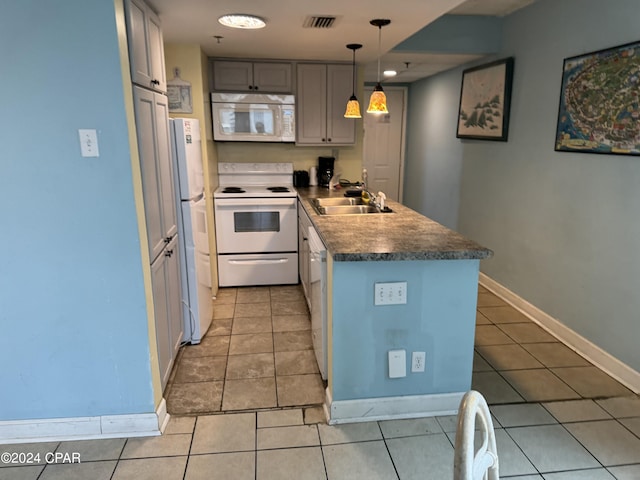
[353,106]
[378,100]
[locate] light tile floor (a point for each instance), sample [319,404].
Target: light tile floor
[257,354]
[556,418]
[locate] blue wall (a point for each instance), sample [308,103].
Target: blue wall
[466,34]
[438,318]
[564,226]
[74,338]
[433,159]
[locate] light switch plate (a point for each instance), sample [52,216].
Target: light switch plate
[88,142]
[393,293]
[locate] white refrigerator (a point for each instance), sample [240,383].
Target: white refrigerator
[192,228]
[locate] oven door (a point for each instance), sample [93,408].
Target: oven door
[256,225]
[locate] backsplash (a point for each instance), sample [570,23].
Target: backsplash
[348,159]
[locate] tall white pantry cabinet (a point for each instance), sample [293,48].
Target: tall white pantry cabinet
[151,105]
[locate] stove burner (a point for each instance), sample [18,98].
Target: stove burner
[278,189]
[233,190]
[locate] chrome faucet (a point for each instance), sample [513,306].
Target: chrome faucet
[377,201]
[369,197]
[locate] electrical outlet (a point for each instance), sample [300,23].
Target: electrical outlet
[417,361]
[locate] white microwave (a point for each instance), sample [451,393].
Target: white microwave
[253,117]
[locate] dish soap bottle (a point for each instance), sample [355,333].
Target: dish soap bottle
[365,194]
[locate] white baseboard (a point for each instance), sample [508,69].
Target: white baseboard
[390,408]
[84,428]
[622,372]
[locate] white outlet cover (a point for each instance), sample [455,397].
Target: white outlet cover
[397,363]
[417,362]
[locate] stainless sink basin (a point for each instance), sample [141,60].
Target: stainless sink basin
[336,201]
[344,206]
[346,209]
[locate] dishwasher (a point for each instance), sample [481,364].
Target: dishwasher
[318,295]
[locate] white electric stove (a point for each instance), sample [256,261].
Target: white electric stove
[256,224]
[255,180]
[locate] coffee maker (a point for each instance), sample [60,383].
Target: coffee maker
[325,170]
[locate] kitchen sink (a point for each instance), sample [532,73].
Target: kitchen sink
[336,201]
[346,209]
[344,206]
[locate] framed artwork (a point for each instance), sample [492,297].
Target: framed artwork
[179,94]
[599,105]
[485,99]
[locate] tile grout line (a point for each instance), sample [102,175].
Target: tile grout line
[193,435]
[386,446]
[273,346]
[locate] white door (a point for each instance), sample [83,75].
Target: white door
[383,149]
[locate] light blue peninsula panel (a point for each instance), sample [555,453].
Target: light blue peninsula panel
[440,268]
[438,318]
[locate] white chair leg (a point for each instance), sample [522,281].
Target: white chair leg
[471,463]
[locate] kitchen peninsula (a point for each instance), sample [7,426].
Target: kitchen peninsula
[440,268]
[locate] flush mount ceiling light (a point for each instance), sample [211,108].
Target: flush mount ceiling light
[242,20]
[390,73]
[378,100]
[353,106]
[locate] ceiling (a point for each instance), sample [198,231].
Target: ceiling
[286,37]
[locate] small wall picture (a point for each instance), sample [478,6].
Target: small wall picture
[179,93]
[600,102]
[485,99]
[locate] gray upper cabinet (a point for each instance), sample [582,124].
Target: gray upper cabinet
[146,49]
[322,95]
[267,77]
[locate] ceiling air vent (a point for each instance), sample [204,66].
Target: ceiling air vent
[318,21]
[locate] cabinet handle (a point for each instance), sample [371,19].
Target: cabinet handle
[250,87]
[328,139]
[155,82]
[255,87]
[168,253]
[167,239]
[324,139]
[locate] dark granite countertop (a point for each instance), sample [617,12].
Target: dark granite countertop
[403,234]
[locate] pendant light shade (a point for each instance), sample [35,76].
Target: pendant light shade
[378,100]
[353,106]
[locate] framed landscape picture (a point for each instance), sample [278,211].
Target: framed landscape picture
[599,106]
[485,98]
